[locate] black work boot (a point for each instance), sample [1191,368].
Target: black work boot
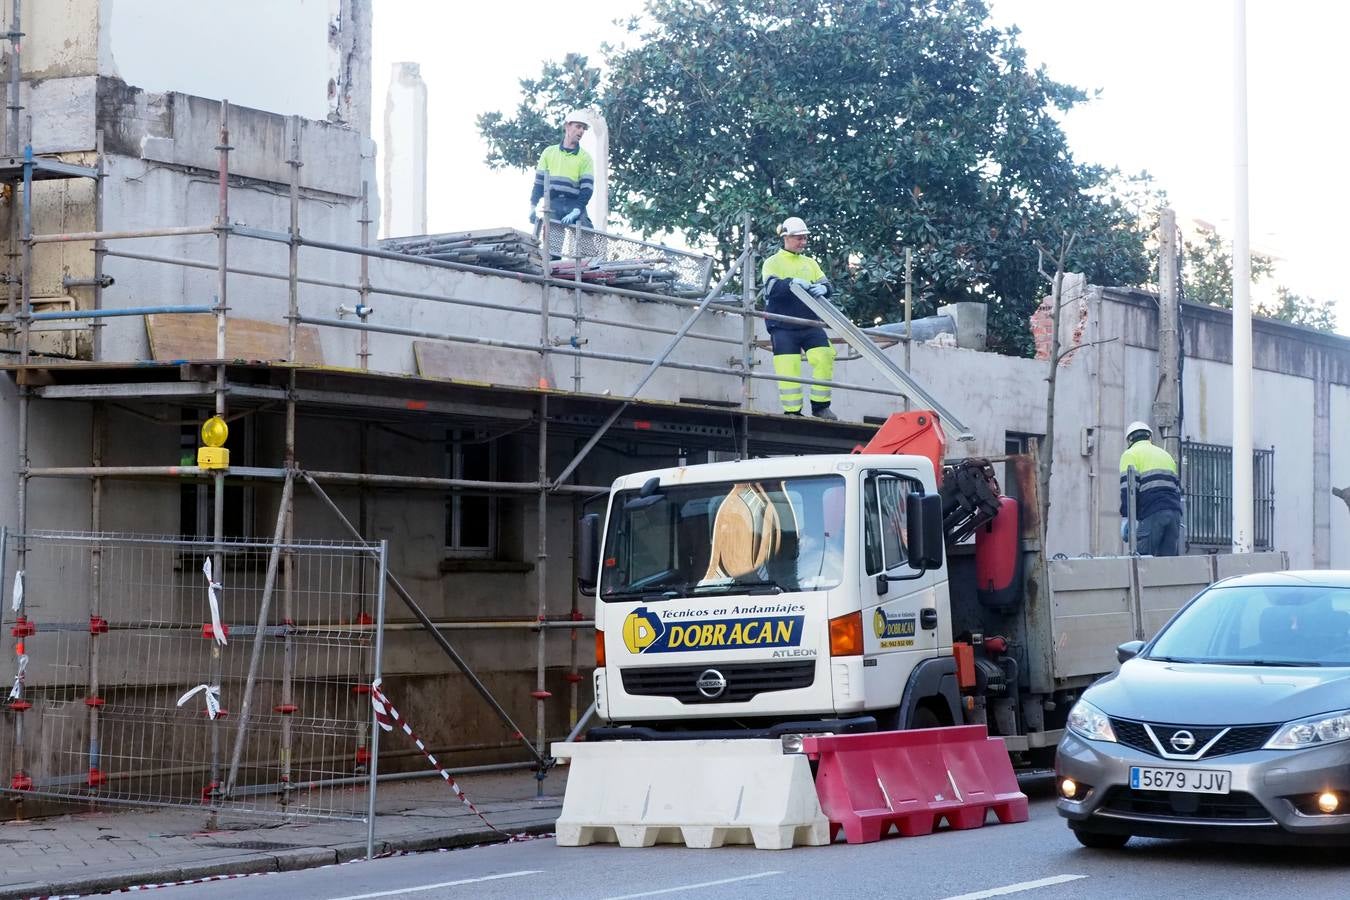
[823,411]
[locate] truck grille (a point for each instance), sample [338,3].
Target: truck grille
[744,681]
[1238,739]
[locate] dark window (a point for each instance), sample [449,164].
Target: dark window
[470,515]
[1207,483]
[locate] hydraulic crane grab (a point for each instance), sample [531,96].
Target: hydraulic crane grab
[969,487]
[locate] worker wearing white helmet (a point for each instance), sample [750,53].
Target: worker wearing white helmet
[570,172]
[781,272]
[1157,507]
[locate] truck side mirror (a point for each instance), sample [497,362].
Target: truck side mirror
[924,534]
[588,553]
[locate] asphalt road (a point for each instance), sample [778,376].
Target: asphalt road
[1038,860]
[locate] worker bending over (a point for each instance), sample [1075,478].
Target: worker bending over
[570,173]
[780,271]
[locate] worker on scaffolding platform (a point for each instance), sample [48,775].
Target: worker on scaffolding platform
[779,273]
[570,174]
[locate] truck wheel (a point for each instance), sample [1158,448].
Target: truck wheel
[1100,840]
[924,717]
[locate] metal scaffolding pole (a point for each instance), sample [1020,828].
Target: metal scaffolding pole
[92,699]
[222,387]
[363,304]
[286,751]
[747,333]
[541,692]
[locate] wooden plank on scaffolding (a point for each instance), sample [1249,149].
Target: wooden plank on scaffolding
[482,365]
[175,336]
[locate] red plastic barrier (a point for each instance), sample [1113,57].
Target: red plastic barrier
[913,780]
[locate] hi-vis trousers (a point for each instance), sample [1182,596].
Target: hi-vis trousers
[788,344]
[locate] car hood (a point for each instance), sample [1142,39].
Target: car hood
[1206,694]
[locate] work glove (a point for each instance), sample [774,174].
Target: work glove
[1125,530]
[534,218]
[802,283]
[819,289]
[571,217]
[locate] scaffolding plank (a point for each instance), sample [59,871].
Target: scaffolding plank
[482,365]
[193,337]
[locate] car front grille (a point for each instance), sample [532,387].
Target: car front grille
[1238,739]
[1234,807]
[745,681]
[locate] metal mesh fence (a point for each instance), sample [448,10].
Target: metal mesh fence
[127,695]
[628,262]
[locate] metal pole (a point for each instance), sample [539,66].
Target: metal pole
[429,625]
[909,311]
[576,306]
[747,323]
[378,673]
[288,651]
[363,352]
[1242,300]
[1165,403]
[96,592]
[255,659]
[652,368]
[541,598]
[100,248]
[218,497]
[25,400]
[83,236]
[15,69]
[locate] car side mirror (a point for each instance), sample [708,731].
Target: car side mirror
[588,553]
[924,534]
[1128,650]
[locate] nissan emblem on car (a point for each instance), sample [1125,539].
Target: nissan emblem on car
[1182,741]
[711,684]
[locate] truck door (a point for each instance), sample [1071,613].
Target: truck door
[900,618]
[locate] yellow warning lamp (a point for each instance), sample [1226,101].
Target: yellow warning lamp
[214,455]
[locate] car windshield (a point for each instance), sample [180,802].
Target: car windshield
[1261,625]
[721,538]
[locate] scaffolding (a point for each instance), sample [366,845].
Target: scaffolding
[233,389]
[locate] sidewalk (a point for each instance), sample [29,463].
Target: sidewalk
[117,847]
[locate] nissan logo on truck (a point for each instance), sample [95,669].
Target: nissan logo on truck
[711,684]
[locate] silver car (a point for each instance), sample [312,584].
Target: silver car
[1232,723]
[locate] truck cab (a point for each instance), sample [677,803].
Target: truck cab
[773,595]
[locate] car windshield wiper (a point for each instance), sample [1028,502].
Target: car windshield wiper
[1273,663]
[1172,659]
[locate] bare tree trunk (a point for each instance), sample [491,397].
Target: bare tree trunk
[1056,309]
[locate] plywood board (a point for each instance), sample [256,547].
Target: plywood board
[482,365]
[181,336]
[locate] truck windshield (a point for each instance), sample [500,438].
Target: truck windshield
[726,537]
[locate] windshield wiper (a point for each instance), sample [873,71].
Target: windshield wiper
[751,587]
[649,594]
[1273,663]
[1171,659]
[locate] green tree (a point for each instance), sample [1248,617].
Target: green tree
[884,123]
[1207,277]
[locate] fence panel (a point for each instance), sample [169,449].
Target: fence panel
[134,700]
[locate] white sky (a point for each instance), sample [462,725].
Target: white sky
[1164,67]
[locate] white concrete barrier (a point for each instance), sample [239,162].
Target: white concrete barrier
[699,793]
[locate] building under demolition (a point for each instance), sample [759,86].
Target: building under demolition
[411,438]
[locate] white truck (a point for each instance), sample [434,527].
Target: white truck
[784,596]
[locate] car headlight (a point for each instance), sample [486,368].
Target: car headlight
[1327,728]
[1090,722]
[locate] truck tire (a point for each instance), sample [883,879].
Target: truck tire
[924,717]
[931,687]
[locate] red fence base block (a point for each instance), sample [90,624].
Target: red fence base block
[913,780]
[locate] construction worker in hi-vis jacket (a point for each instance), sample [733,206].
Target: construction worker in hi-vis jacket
[780,271]
[571,175]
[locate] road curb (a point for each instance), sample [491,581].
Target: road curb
[256,863]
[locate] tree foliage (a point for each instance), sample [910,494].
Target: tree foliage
[1207,277]
[884,123]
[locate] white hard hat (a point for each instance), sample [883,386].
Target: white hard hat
[1136,427]
[578,115]
[793,225]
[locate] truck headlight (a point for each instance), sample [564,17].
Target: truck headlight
[1327,728]
[1088,721]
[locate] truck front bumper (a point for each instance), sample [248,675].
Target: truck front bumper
[855,725]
